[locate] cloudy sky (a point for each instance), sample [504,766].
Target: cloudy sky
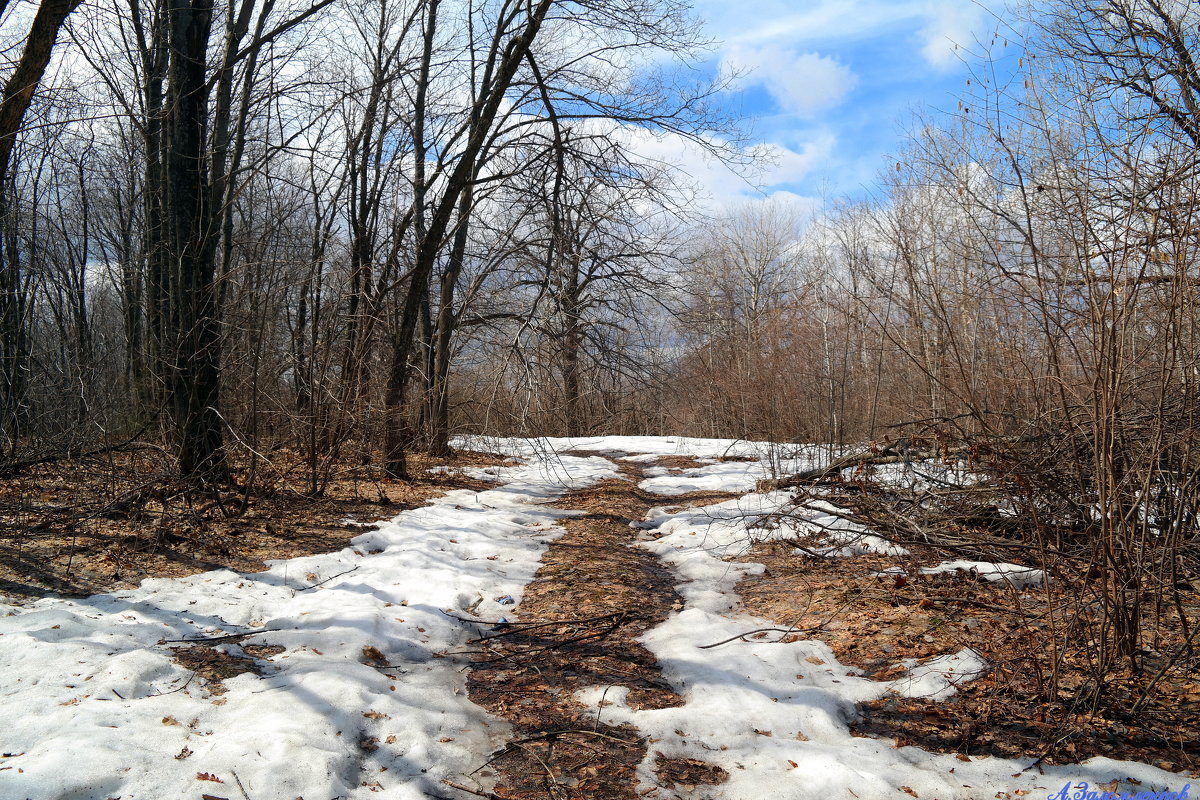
[830,86]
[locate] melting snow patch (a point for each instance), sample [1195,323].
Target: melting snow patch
[939,678]
[1015,574]
[844,538]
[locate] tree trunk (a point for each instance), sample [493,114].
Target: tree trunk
[19,89]
[14,300]
[439,434]
[194,384]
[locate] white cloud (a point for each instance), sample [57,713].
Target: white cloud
[952,25]
[825,24]
[718,185]
[800,83]
[819,21]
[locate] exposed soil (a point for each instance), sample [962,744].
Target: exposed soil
[607,592]
[216,664]
[82,527]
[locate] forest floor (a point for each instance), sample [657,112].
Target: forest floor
[617,618]
[86,526]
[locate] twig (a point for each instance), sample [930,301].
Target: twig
[226,637]
[573,732]
[584,637]
[180,688]
[531,625]
[784,631]
[476,792]
[327,580]
[518,627]
[239,785]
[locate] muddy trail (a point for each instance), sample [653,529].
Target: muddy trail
[595,593]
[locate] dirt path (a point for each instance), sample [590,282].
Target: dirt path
[600,592]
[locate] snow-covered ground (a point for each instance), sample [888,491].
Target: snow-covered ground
[93,706]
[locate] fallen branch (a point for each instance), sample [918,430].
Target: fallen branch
[227,637]
[513,628]
[617,620]
[520,627]
[327,580]
[784,631]
[12,469]
[862,457]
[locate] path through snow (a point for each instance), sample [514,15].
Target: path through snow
[93,706]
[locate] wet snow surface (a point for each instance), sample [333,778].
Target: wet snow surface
[94,706]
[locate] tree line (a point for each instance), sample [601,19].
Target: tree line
[269,226]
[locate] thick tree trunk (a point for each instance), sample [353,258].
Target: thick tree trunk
[572,345]
[194,384]
[504,60]
[19,89]
[14,329]
[152,42]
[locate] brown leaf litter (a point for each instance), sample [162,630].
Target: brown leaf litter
[95,525]
[874,621]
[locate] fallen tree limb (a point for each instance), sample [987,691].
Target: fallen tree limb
[866,456]
[785,631]
[892,454]
[11,469]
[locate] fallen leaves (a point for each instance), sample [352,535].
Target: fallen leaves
[687,773]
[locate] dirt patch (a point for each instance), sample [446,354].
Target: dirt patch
[217,664]
[680,463]
[687,773]
[95,525]
[599,593]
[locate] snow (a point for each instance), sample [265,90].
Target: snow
[728,476]
[770,460]
[93,706]
[96,708]
[640,448]
[826,522]
[1018,576]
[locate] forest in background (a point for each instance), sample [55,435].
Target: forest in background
[270,238]
[365,227]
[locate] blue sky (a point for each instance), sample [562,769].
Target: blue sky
[829,86]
